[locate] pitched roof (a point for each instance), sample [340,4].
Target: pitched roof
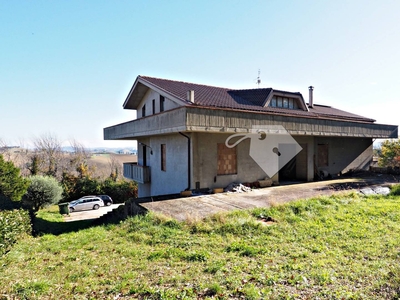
[250,99]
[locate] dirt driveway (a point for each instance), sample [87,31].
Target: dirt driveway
[90,214]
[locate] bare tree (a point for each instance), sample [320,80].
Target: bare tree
[79,158]
[48,147]
[79,152]
[115,167]
[5,150]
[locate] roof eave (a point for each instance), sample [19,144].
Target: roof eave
[139,89]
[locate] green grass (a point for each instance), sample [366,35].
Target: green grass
[343,247]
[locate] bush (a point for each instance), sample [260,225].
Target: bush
[390,154]
[12,184]
[119,191]
[75,187]
[14,224]
[395,190]
[43,191]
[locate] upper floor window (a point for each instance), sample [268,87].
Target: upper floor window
[144,110]
[284,102]
[154,106]
[162,100]
[163,157]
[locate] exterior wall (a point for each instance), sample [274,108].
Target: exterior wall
[148,101]
[205,162]
[346,154]
[175,178]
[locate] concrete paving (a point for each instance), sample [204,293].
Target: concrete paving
[90,214]
[201,206]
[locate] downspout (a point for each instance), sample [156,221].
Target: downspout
[189,169]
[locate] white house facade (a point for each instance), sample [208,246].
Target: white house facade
[182,129]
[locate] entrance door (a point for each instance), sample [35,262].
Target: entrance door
[301,163]
[296,168]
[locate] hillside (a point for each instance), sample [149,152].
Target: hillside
[101,163]
[339,247]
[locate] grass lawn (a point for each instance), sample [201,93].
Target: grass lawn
[339,247]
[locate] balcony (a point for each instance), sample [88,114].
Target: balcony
[137,173]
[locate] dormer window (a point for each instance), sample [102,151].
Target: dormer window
[284,102]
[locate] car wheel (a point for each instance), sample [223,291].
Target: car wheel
[71,210]
[96,206]
[108,203]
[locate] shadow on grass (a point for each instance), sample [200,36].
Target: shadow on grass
[53,224]
[42,226]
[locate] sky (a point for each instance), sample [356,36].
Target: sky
[66,67]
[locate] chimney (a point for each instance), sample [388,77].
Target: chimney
[190,96]
[310,97]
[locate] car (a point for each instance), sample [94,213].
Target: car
[106,199]
[85,203]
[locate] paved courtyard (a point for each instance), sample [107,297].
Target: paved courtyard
[204,205]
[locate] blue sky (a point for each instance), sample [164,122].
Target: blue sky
[67,66]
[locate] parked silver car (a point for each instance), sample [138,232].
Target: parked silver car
[85,204]
[106,199]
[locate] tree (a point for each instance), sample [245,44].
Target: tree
[34,165]
[12,184]
[43,191]
[49,147]
[115,168]
[390,153]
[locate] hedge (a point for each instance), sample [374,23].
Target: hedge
[14,225]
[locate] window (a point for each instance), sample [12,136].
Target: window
[154,106]
[144,111]
[284,102]
[162,100]
[163,157]
[227,164]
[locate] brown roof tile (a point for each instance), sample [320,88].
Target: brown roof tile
[250,99]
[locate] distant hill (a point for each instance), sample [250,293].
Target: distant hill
[104,150]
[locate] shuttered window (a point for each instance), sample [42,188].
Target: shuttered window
[227,163]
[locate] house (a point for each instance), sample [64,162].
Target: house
[182,131]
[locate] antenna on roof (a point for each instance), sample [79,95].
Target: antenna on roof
[258,79]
